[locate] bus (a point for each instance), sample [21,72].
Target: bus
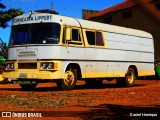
[46,47]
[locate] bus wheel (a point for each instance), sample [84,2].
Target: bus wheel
[28,86]
[129,79]
[69,81]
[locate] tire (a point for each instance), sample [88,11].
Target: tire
[129,79]
[69,81]
[94,82]
[28,86]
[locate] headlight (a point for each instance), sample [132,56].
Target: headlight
[46,66]
[10,66]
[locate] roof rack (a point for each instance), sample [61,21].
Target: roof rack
[46,11]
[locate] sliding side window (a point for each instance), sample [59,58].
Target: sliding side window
[94,38]
[75,35]
[90,37]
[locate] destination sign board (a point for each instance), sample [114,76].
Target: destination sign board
[32,18]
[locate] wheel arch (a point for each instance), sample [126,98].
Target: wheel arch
[75,66]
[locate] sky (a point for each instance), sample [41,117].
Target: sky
[71,8]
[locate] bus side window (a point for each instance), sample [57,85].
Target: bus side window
[76,35]
[99,39]
[94,38]
[90,37]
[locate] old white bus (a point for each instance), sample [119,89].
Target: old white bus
[46,47]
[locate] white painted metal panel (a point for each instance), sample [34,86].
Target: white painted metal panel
[94,61]
[126,42]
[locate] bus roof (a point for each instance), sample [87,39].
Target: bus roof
[65,20]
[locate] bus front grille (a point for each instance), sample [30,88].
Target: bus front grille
[27,65]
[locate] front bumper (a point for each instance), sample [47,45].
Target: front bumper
[32,74]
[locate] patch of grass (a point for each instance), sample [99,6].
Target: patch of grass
[68,95]
[32,101]
[51,100]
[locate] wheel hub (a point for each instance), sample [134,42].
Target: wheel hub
[130,77]
[69,78]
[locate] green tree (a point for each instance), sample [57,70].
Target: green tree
[6,16]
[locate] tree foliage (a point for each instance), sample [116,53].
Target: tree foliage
[6,16]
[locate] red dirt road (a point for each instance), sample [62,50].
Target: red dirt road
[109,102]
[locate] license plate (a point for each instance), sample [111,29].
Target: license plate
[23,82]
[23,75]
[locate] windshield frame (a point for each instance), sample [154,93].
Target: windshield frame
[30,28]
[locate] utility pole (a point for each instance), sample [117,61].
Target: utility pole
[52,6]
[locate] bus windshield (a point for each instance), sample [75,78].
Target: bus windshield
[37,33]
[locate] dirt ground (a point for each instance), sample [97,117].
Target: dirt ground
[108,102]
